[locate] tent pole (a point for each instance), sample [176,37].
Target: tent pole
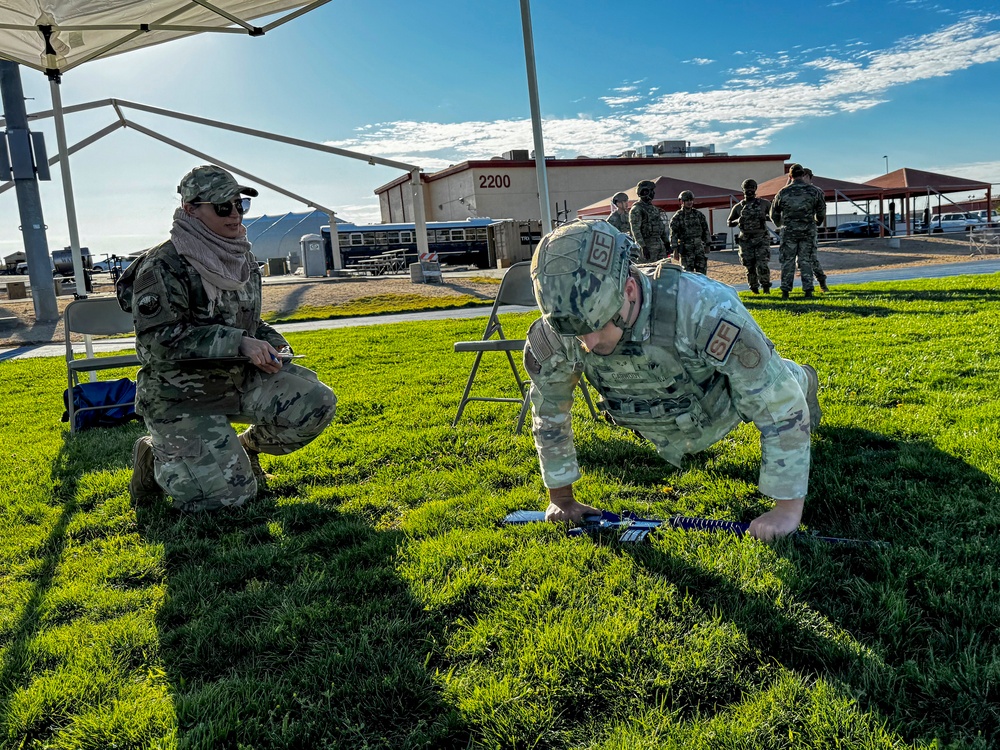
[67,181]
[29,202]
[419,213]
[536,120]
[338,259]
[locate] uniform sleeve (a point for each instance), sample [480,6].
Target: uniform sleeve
[160,312]
[635,222]
[820,208]
[267,332]
[704,228]
[675,226]
[734,215]
[776,211]
[763,390]
[554,376]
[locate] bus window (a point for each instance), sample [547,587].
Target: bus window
[357,239]
[369,238]
[406,237]
[457,235]
[440,235]
[392,238]
[344,239]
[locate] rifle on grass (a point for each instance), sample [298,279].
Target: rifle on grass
[634,530]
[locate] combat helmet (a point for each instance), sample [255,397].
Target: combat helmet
[645,187]
[686,195]
[619,197]
[579,272]
[749,186]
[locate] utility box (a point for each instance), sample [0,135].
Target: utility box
[512,241]
[312,257]
[16,290]
[277,266]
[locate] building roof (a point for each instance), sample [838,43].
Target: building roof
[667,190]
[828,185]
[651,162]
[905,181]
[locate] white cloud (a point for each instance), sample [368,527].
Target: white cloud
[620,101]
[747,112]
[700,61]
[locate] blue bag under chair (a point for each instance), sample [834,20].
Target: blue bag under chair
[106,403]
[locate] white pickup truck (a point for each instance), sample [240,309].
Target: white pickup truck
[954,222]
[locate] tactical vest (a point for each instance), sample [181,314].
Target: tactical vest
[752,217]
[643,383]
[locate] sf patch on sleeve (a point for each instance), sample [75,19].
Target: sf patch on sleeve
[722,340]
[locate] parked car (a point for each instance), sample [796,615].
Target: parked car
[105,265]
[953,222]
[856,229]
[984,215]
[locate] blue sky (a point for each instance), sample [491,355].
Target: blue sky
[838,85]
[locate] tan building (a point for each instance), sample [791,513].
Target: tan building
[506,187]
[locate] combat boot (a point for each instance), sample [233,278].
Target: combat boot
[812,397]
[259,474]
[766,288]
[784,294]
[143,487]
[808,294]
[823,286]
[755,290]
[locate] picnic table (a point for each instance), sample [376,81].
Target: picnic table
[391,261]
[984,241]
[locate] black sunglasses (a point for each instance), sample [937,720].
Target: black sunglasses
[242,205]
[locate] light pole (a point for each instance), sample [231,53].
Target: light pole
[886,164]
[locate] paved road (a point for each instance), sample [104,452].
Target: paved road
[935,271]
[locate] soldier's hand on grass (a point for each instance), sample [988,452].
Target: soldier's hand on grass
[783,519]
[261,354]
[564,507]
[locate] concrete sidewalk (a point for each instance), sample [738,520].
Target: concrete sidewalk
[941,270]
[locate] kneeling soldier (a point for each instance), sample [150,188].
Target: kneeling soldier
[196,304]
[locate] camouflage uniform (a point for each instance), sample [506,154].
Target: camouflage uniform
[646,223]
[750,216]
[689,236]
[693,366]
[188,408]
[818,271]
[620,221]
[798,208]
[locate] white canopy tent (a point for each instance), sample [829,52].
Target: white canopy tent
[55,36]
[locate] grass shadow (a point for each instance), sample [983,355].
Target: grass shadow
[893,626]
[281,624]
[285,625]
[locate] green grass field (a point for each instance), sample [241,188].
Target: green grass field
[372,601]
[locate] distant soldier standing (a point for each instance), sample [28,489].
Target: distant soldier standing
[820,274]
[689,235]
[750,215]
[798,208]
[647,226]
[619,214]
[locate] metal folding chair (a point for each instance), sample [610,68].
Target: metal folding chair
[515,289]
[94,316]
